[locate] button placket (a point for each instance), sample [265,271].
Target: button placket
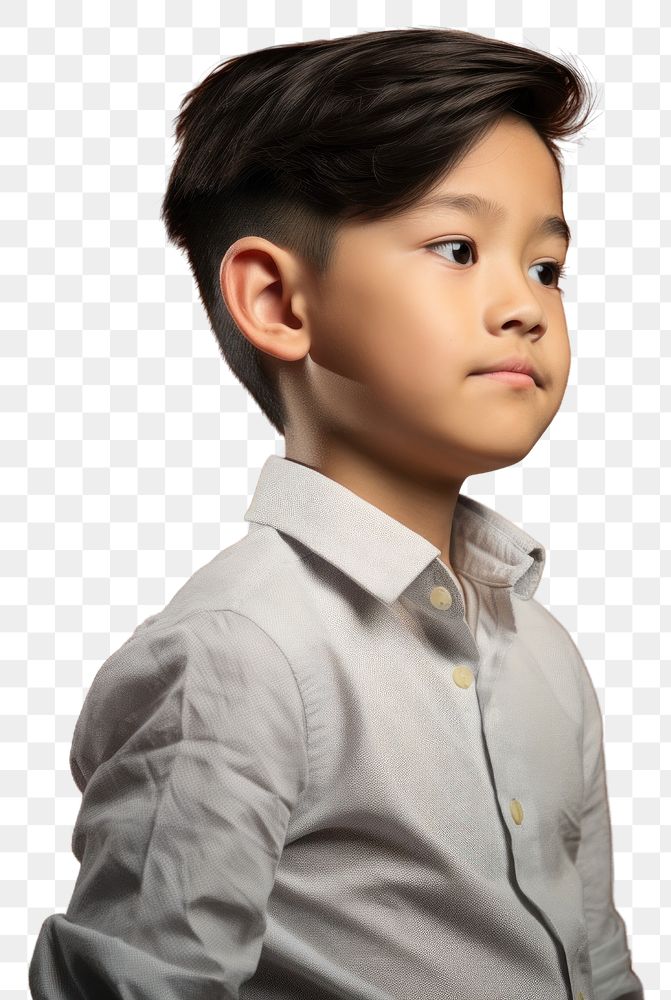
[442,599]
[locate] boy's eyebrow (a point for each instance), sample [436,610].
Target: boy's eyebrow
[476,204]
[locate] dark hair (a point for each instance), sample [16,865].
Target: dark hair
[288,142]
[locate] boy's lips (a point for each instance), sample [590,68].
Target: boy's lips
[515,364]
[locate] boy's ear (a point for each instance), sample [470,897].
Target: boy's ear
[263,287]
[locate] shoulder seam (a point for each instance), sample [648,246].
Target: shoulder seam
[298,688]
[240,614]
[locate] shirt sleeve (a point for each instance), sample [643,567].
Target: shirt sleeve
[612,973]
[190,752]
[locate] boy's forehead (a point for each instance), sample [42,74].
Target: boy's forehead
[509,177]
[509,171]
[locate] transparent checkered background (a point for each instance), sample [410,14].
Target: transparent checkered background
[129,452]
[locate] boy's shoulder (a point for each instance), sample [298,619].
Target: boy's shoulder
[550,644]
[535,622]
[167,677]
[241,578]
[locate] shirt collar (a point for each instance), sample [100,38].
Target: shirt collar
[380,553]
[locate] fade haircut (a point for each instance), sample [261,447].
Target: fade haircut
[291,141]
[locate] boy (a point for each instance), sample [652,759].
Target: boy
[353,757]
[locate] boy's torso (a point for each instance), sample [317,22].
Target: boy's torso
[432,850]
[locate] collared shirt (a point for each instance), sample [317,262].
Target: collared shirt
[326,770]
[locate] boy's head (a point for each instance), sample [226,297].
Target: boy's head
[300,193]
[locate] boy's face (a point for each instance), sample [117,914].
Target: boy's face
[396,328]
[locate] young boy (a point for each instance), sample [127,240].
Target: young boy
[353,757]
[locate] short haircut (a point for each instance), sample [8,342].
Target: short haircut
[290,141]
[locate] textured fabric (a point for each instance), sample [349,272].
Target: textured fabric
[330,768]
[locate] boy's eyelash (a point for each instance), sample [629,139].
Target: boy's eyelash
[559,270]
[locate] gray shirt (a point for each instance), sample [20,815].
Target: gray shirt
[326,770]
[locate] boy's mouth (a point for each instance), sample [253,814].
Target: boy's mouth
[517,365]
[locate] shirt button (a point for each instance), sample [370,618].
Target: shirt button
[462,676]
[517,812]
[441,598]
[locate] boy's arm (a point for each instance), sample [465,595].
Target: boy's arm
[613,977]
[191,753]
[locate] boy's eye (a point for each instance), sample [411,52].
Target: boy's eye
[556,271]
